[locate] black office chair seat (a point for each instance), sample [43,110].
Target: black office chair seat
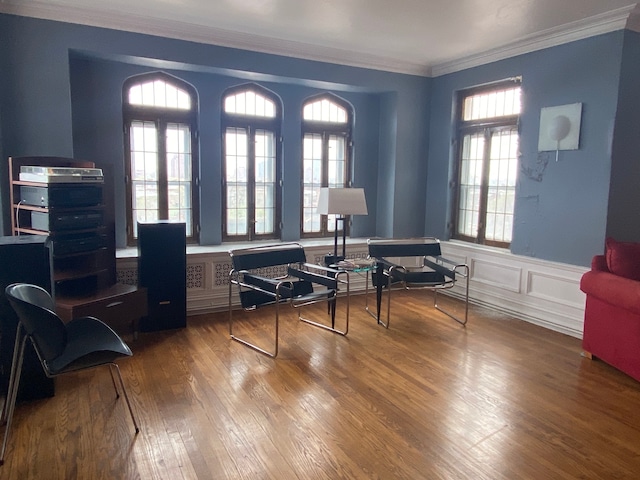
[417,278]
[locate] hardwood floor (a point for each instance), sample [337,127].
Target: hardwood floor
[426,399]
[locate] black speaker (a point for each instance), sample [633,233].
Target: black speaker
[162,270]
[24,259]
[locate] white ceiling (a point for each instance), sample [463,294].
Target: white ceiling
[425,37]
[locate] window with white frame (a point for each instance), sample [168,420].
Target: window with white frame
[487,163]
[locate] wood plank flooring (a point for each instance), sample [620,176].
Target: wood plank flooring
[426,399]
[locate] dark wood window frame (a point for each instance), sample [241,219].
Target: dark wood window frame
[161,117]
[327,129]
[487,127]
[252,124]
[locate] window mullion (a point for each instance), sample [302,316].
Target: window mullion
[325,178]
[484,189]
[128,181]
[251,182]
[163,185]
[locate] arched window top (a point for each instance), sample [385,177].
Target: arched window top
[251,102]
[325,110]
[158,92]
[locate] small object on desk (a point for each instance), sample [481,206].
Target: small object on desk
[357,264]
[345,264]
[364,262]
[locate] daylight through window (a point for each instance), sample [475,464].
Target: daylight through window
[488,164]
[160,121]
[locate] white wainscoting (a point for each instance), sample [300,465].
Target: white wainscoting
[538,291]
[541,292]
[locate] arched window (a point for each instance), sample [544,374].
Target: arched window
[487,164]
[251,119]
[326,155]
[160,118]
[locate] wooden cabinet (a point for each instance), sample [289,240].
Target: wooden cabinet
[78,219]
[119,306]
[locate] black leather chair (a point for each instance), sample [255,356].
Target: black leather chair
[80,344]
[415,263]
[275,274]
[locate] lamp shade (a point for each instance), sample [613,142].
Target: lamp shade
[342,201]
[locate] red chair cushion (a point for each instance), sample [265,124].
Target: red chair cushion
[623,258]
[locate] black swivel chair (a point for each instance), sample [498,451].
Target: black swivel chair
[80,344]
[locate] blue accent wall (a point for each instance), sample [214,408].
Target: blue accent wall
[561,207]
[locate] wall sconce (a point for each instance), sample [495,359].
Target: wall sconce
[560,128]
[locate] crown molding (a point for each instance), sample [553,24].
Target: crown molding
[570,32]
[627,17]
[633,22]
[209,35]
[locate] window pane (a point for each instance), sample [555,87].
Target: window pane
[337,161]
[312,181]
[144,151]
[236,167]
[324,111]
[145,202]
[178,152]
[179,197]
[492,104]
[470,183]
[251,103]
[265,182]
[158,93]
[144,171]
[503,164]
[236,155]
[237,210]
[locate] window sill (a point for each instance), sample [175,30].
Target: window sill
[132,252]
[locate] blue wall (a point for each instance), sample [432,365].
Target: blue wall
[97,114]
[63,97]
[61,94]
[561,207]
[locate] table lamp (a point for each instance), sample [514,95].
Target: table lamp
[341,202]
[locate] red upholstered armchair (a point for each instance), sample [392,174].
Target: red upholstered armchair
[612,311]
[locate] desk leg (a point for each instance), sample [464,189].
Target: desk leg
[332,311]
[366,296]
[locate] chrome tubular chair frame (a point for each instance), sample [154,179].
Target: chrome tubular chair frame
[429,271]
[254,274]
